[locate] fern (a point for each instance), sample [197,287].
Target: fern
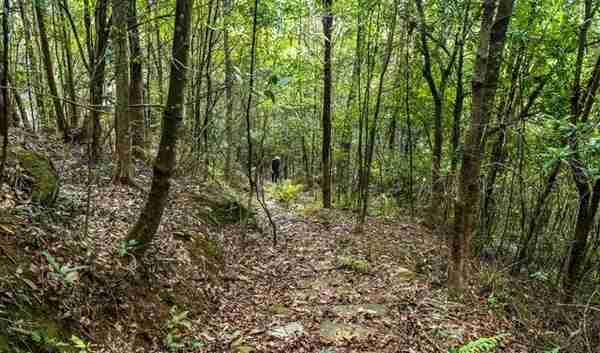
[480,345]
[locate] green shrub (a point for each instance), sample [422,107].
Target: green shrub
[480,345]
[354,264]
[286,192]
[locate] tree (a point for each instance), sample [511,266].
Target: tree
[376,114]
[4,101]
[438,94]
[145,228]
[228,93]
[588,187]
[327,97]
[97,60]
[136,85]
[123,172]
[61,121]
[494,25]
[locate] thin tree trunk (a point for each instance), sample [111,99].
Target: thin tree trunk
[327,98]
[32,67]
[70,81]
[144,230]
[228,93]
[589,196]
[45,46]
[123,172]
[98,67]
[373,133]
[136,85]
[484,82]
[4,103]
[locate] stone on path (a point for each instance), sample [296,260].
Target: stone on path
[292,329]
[404,274]
[355,309]
[332,332]
[279,309]
[245,349]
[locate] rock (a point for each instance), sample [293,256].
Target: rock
[403,274]
[42,178]
[451,331]
[292,329]
[353,310]
[332,332]
[279,309]
[219,204]
[245,349]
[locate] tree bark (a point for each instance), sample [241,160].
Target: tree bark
[373,133]
[70,81]
[144,230]
[136,85]
[47,58]
[4,102]
[327,93]
[484,81]
[96,85]
[32,67]
[589,196]
[228,93]
[123,172]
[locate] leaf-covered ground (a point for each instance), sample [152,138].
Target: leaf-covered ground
[206,287]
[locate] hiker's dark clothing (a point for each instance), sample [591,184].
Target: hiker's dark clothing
[275,170]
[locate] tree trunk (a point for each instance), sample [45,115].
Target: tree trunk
[327,84]
[123,172]
[136,88]
[96,85]
[32,67]
[4,102]
[70,80]
[144,230]
[484,81]
[208,77]
[228,93]
[589,197]
[45,46]
[373,133]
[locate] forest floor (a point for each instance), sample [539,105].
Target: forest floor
[215,288]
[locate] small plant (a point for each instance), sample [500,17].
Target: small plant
[286,192]
[79,344]
[492,300]
[175,339]
[539,276]
[44,339]
[354,264]
[126,246]
[64,273]
[480,345]
[493,279]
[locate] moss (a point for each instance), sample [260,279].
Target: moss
[219,205]
[4,344]
[354,264]
[45,178]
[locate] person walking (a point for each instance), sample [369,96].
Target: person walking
[275,163]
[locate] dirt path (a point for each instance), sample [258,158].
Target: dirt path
[326,289]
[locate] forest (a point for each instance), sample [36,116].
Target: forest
[300,176]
